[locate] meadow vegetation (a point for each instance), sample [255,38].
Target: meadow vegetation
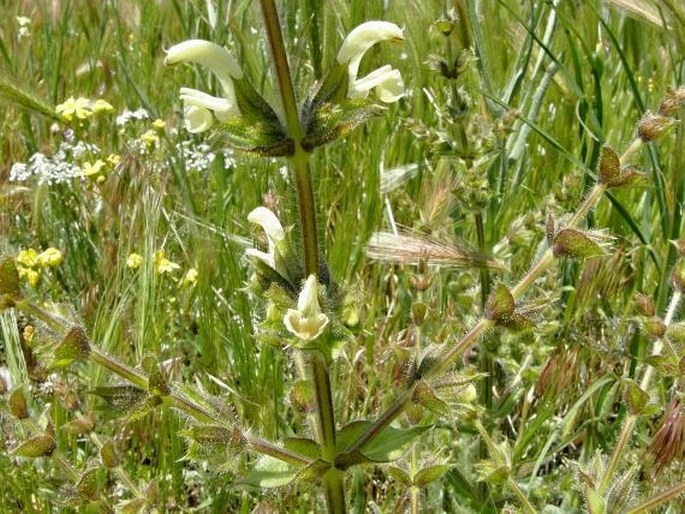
[477,310]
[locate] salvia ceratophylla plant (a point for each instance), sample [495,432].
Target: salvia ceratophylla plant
[305,307]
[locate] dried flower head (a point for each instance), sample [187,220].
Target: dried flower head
[668,443]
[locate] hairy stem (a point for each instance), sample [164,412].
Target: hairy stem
[658,500]
[333,482]
[631,419]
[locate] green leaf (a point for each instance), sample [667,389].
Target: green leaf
[596,504]
[123,398]
[609,165]
[399,474]
[501,305]
[22,98]
[636,398]
[304,446]
[255,136]
[386,447]
[87,486]
[269,472]
[9,279]
[431,473]
[335,120]
[573,244]
[73,347]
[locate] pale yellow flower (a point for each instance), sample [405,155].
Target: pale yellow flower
[386,81]
[134,261]
[158,124]
[92,169]
[190,278]
[50,258]
[307,322]
[150,138]
[31,276]
[101,105]
[78,108]
[113,159]
[164,265]
[28,258]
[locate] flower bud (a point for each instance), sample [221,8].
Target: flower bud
[673,101]
[678,276]
[17,404]
[307,322]
[644,305]
[74,347]
[108,455]
[653,126]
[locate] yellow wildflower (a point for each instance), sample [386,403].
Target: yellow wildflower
[29,332]
[50,258]
[28,258]
[113,159]
[150,138]
[79,108]
[190,278]
[101,105]
[134,261]
[164,265]
[31,276]
[158,124]
[92,169]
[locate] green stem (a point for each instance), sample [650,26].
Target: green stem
[631,419]
[486,361]
[333,482]
[307,211]
[482,326]
[300,159]
[501,460]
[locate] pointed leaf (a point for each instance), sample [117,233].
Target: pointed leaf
[304,446]
[609,165]
[73,347]
[332,121]
[269,472]
[573,244]
[9,279]
[87,486]
[501,305]
[260,137]
[629,177]
[123,398]
[636,398]
[430,474]
[596,504]
[38,446]
[399,474]
[386,447]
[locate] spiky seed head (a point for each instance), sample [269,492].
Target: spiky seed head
[652,126]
